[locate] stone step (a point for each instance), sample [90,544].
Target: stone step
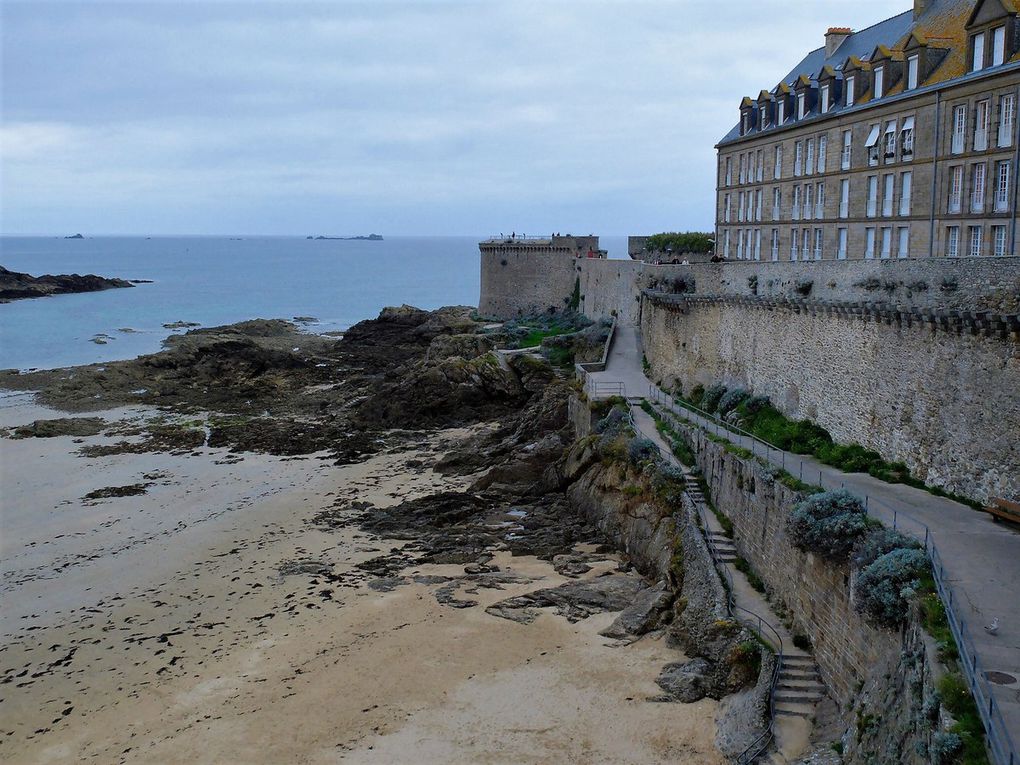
[798,660]
[796,673]
[794,710]
[798,697]
[807,686]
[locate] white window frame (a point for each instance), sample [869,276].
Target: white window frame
[999,248]
[727,208]
[795,208]
[849,83]
[886,251]
[757,204]
[998,46]
[872,208]
[809,158]
[808,196]
[888,192]
[903,242]
[824,99]
[879,81]
[959,128]
[742,177]
[1007,119]
[906,188]
[1002,173]
[976,241]
[729,171]
[801,105]
[818,243]
[759,164]
[889,141]
[981,109]
[740,207]
[777,200]
[805,244]
[740,244]
[798,159]
[820,200]
[775,245]
[777,170]
[956,189]
[869,243]
[842,236]
[793,244]
[844,198]
[977,61]
[979,177]
[913,64]
[907,140]
[726,243]
[757,244]
[844,162]
[823,147]
[953,242]
[781,110]
[872,144]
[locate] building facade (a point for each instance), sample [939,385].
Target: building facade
[900,140]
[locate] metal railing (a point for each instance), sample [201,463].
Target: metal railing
[597,388]
[751,620]
[1000,742]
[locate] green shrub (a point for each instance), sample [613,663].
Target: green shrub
[731,400]
[712,396]
[828,524]
[877,542]
[944,748]
[752,578]
[697,393]
[883,589]
[641,449]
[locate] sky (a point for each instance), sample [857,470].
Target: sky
[402,118]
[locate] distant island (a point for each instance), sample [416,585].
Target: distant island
[369,238]
[17,286]
[74,236]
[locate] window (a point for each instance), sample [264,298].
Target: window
[907,140]
[872,145]
[842,237]
[781,111]
[886,242]
[820,200]
[906,182]
[912,64]
[851,81]
[981,126]
[798,158]
[750,205]
[775,244]
[757,204]
[953,241]
[999,241]
[729,171]
[750,167]
[903,247]
[844,198]
[959,127]
[977,61]
[844,161]
[998,45]
[879,81]
[740,244]
[818,244]
[726,243]
[740,207]
[1002,185]
[757,244]
[795,212]
[872,196]
[776,199]
[763,116]
[807,201]
[726,208]
[805,244]
[793,244]
[890,142]
[777,170]
[759,164]
[1007,118]
[955,188]
[801,106]
[977,187]
[810,161]
[869,242]
[743,168]
[824,95]
[976,241]
[889,188]
[823,145]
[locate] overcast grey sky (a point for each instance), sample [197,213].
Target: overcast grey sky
[420,117]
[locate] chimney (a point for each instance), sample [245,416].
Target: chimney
[836,35]
[920,8]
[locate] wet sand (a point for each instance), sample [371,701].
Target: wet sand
[158,627]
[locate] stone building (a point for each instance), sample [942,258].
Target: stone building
[557,244]
[899,140]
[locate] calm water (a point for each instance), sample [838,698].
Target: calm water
[219,280]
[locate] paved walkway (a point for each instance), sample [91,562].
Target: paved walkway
[981,557]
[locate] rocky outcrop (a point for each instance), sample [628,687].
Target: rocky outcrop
[18,286]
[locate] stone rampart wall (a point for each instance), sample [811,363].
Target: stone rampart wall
[520,283]
[611,288]
[942,400]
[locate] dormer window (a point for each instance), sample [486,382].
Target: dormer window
[781,111]
[879,81]
[745,123]
[998,46]
[824,99]
[978,55]
[801,106]
[913,66]
[850,82]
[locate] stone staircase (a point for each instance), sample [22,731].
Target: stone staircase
[725,549]
[800,686]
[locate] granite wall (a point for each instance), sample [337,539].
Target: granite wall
[943,400]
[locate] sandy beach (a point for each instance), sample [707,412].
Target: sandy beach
[210,619]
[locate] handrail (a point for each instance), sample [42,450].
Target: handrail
[756,623]
[1000,742]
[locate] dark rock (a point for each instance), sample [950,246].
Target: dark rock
[67,426]
[17,286]
[305,566]
[685,681]
[643,615]
[571,565]
[574,600]
[109,492]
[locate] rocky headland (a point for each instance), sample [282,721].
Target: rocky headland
[19,286]
[256,521]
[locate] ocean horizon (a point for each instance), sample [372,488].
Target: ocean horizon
[216,280]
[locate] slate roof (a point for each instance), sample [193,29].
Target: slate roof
[941,26]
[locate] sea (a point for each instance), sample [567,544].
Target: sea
[212,281]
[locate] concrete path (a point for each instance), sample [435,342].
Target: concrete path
[981,558]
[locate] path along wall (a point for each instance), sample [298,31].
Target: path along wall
[883,680]
[945,402]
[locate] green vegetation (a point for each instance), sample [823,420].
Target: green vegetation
[752,578]
[956,698]
[575,297]
[935,620]
[681,243]
[828,524]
